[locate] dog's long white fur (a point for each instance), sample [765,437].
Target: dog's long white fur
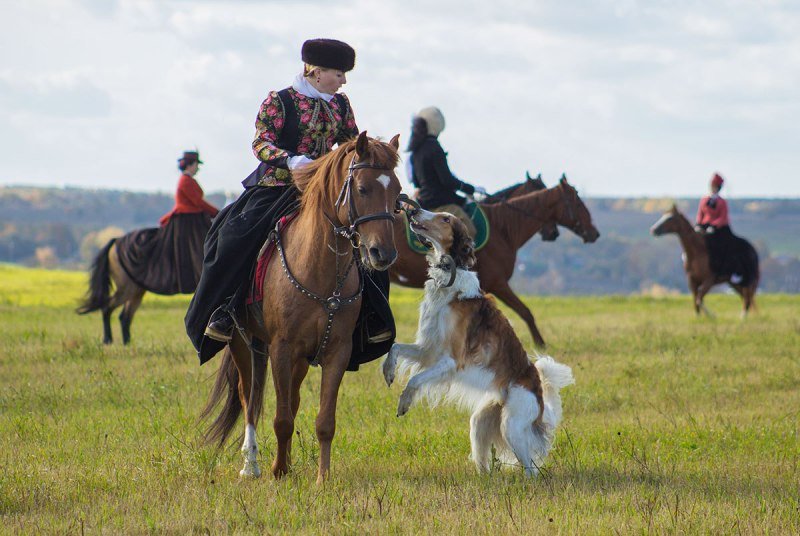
[505,418]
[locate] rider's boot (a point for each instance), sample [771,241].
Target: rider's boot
[220,326]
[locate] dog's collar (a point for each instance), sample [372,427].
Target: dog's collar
[448,264]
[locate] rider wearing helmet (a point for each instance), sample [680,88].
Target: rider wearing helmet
[435,183]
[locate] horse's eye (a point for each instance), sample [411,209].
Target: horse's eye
[362,190]
[446,219]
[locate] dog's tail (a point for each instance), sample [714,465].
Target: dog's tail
[555,376]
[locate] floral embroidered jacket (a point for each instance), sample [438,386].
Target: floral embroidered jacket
[311,127]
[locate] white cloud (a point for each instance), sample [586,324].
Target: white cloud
[627,97]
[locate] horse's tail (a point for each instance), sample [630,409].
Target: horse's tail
[99,282]
[225,386]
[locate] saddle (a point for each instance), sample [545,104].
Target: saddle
[476,214]
[256,293]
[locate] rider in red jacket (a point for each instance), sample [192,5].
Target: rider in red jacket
[713,210]
[189,195]
[712,220]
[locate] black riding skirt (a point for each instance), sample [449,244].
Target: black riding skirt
[231,248]
[168,259]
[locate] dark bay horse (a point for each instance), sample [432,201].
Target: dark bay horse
[548,232]
[348,197]
[106,268]
[696,261]
[512,222]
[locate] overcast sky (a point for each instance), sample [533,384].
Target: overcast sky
[629,98]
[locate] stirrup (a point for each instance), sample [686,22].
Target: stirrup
[212,333]
[383,336]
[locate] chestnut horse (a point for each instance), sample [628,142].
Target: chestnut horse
[696,261]
[106,269]
[513,223]
[548,232]
[312,298]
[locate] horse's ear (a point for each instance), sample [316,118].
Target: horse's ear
[362,145]
[527,176]
[539,177]
[563,179]
[395,142]
[674,208]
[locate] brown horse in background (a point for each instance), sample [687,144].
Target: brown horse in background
[513,223]
[696,261]
[549,231]
[346,210]
[106,269]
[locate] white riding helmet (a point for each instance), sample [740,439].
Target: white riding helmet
[434,118]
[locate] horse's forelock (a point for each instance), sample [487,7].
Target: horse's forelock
[313,179]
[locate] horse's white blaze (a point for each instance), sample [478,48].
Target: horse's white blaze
[657,224]
[385,180]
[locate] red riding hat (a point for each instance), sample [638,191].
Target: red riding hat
[717,180]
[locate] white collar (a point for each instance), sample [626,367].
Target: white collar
[302,86]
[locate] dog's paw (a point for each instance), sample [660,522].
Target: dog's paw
[406,400]
[388,370]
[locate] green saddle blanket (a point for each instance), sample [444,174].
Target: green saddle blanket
[477,216]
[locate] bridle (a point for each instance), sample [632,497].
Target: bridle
[569,205]
[350,231]
[335,302]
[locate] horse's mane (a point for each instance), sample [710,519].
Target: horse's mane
[512,215]
[503,194]
[525,200]
[320,180]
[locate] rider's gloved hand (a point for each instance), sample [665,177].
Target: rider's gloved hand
[480,193]
[294,162]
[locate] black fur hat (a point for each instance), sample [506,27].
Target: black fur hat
[329,53]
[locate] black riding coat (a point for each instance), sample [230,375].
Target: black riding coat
[230,250]
[432,176]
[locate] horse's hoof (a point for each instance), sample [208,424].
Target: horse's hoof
[321,478]
[279,472]
[250,470]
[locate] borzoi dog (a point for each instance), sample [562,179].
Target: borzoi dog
[467,352]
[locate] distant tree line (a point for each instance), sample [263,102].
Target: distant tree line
[65,227]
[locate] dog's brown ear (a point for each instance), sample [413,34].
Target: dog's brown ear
[463,246]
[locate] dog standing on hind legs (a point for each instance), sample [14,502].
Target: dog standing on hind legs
[467,352]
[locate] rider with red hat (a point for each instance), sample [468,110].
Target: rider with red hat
[713,210]
[712,220]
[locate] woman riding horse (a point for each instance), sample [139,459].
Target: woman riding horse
[712,220]
[294,126]
[162,260]
[435,184]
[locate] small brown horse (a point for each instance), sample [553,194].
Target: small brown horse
[346,209]
[512,223]
[105,269]
[696,261]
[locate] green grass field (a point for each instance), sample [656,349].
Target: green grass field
[675,425]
